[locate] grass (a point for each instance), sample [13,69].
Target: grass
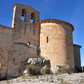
[32,70]
[45,70]
[64,69]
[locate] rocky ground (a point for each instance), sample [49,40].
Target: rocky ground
[75,78]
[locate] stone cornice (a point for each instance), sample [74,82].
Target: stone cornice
[24,6]
[75,45]
[57,21]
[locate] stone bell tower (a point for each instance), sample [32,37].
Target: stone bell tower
[26,24]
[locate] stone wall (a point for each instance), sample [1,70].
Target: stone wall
[18,58]
[25,39]
[13,55]
[56,42]
[25,31]
[77,57]
[18,43]
[22,41]
[5,46]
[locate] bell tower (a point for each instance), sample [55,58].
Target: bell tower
[26,24]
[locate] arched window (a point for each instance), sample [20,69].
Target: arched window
[32,20]
[23,15]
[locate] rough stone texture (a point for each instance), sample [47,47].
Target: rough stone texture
[25,39]
[77,58]
[35,61]
[5,46]
[77,78]
[19,58]
[39,63]
[14,48]
[59,48]
[25,31]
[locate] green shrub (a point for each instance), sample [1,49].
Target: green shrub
[32,70]
[64,69]
[39,57]
[45,70]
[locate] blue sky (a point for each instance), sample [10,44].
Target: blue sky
[71,11]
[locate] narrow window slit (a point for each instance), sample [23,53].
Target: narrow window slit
[47,39]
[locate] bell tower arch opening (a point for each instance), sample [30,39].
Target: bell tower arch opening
[32,18]
[23,15]
[25,24]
